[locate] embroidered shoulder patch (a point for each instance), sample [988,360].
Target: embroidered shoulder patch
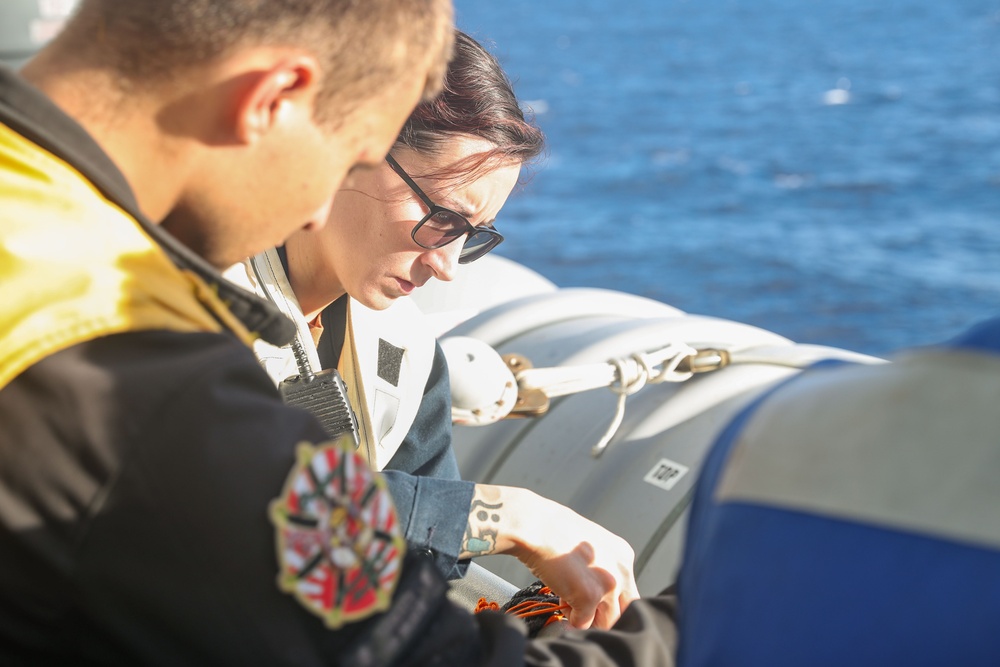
[340,548]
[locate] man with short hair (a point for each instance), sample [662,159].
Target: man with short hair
[159,505]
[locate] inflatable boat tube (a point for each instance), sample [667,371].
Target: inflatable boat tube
[640,487]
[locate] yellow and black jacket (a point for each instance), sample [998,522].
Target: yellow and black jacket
[140,442]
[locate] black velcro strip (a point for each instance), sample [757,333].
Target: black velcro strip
[390,358]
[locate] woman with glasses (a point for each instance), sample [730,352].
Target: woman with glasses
[430,207]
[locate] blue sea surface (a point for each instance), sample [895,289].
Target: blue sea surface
[828,170]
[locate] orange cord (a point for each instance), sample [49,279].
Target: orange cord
[530,608]
[483,605]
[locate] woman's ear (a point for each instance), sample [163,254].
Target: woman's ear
[284,93]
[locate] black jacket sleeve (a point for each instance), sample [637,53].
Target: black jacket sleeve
[136,475]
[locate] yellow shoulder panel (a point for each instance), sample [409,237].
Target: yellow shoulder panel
[74,266]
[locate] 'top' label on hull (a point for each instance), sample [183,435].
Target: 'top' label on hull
[665,474]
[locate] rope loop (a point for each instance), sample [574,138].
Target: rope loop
[624,376]
[626,381]
[668,359]
[602,444]
[634,372]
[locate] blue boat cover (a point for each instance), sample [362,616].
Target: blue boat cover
[851,516]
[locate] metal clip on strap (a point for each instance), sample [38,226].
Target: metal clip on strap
[705,360]
[530,402]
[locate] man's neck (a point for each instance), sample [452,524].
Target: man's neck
[128,127]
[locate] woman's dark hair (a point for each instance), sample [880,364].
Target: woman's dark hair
[478,100]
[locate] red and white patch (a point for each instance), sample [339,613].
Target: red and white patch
[340,547]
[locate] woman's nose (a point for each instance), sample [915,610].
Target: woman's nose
[443,261]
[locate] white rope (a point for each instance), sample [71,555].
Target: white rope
[624,390]
[623,375]
[627,375]
[624,371]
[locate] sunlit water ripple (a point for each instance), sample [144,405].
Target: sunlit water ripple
[829,170]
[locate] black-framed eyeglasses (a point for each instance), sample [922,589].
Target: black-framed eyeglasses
[441,225]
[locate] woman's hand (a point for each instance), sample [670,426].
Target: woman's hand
[589,567]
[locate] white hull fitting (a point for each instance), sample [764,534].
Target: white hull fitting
[640,486]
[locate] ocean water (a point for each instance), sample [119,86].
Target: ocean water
[825,169]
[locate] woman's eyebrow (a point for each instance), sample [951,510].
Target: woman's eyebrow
[462,209]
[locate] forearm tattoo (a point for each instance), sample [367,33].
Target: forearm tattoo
[484,526]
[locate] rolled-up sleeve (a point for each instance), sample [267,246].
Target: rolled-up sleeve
[435,513]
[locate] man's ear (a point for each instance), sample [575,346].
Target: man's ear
[282,93]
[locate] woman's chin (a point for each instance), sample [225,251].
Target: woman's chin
[377,300]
